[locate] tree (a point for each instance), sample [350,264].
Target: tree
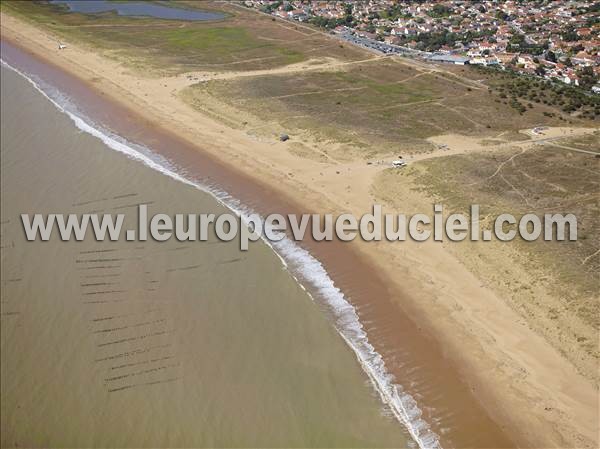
[577,48]
[501,15]
[439,10]
[586,77]
[569,35]
[540,70]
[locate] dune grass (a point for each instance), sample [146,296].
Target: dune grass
[163,46]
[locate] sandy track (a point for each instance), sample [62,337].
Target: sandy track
[312,65]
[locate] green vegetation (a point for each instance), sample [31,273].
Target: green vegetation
[168,46]
[515,89]
[272,7]
[518,44]
[439,11]
[394,12]
[348,107]
[554,283]
[379,106]
[434,41]
[331,23]
[541,180]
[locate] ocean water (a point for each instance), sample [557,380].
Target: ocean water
[148,344]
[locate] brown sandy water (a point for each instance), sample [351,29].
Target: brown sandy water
[417,360]
[148,344]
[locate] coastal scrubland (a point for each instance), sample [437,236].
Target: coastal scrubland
[376,105]
[380,106]
[241,41]
[522,92]
[553,284]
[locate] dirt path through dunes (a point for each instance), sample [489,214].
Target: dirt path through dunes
[578,150]
[452,144]
[312,65]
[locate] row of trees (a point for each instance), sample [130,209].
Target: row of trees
[330,23]
[434,41]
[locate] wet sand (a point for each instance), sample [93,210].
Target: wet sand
[150,344]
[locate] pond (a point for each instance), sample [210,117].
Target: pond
[139,9]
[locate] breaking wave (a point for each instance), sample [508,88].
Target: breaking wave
[303,266]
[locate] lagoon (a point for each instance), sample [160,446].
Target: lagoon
[139,9]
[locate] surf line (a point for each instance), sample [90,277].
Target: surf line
[301,265]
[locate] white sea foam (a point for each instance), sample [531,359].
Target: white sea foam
[304,267]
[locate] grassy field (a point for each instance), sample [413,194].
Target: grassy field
[381,106]
[589,142]
[543,179]
[243,40]
[553,283]
[371,108]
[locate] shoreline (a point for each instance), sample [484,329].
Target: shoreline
[294,258]
[194,345]
[394,303]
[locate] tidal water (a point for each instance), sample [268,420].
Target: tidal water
[149,344]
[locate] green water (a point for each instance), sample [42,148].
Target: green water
[147,344]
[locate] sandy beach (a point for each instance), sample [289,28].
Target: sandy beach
[478,359]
